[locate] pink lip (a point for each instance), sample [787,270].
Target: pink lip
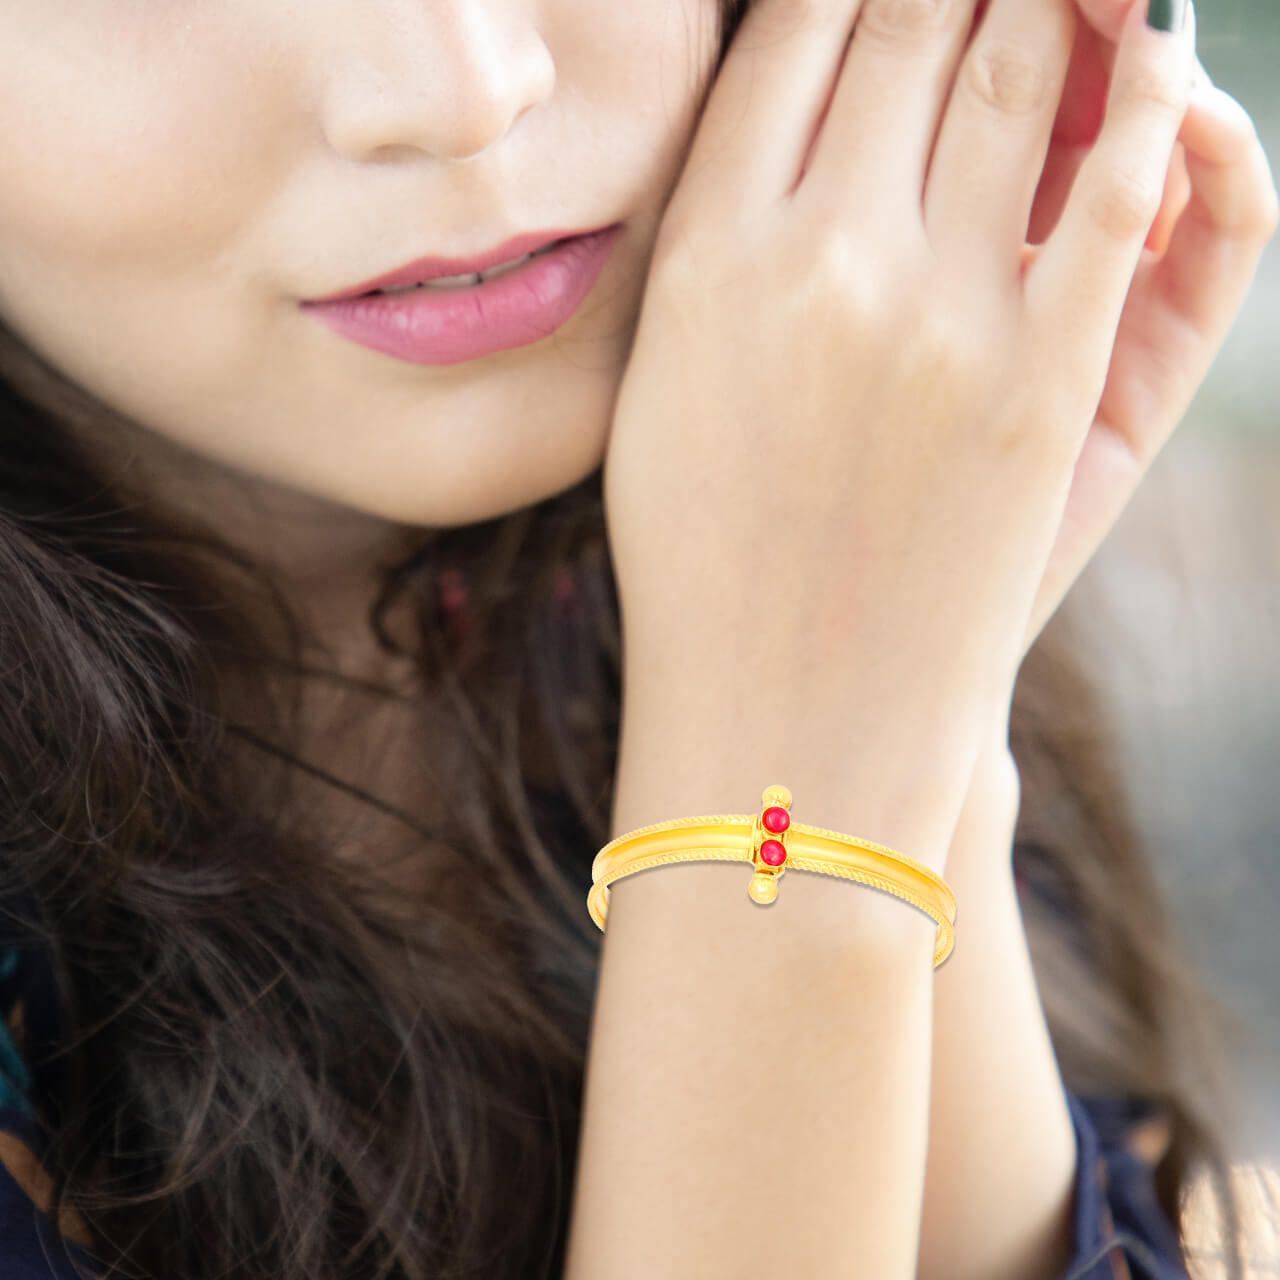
[424,269]
[442,327]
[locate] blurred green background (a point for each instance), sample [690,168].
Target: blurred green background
[1180,611]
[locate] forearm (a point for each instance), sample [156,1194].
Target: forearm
[757,1095]
[1001,1163]
[757,1084]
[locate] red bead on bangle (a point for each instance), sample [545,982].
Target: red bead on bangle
[776,819]
[771,854]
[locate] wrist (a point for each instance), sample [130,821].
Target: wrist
[878,772]
[983,837]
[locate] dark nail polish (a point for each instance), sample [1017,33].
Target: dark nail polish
[1167,15]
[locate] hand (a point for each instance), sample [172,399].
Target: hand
[1220,209]
[1219,212]
[844,443]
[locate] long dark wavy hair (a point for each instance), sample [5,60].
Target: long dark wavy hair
[268,1065]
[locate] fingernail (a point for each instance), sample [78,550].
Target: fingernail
[1167,15]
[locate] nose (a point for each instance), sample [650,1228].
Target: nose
[449,77]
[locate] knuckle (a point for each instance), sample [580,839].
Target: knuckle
[1126,202]
[674,257]
[1009,79]
[833,258]
[685,261]
[946,354]
[838,273]
[1038,440]
[905,23]
[1009,437]
[1150,91]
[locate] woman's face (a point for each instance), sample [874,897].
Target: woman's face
[180,174]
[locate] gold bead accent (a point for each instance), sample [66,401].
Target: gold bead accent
[763,888]
[777,795]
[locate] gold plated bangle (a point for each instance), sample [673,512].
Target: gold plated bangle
[773,844]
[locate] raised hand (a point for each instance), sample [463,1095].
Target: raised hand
[1220,211]
[844,445]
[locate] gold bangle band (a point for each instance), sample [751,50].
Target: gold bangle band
[772,843]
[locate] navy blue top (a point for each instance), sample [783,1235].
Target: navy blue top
[1117,1217]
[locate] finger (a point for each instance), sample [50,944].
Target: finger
[1182,306]
[1059,177]
[1076,129]
[1177,187]
[994,139]
[766,103]
[1177,192]
[1168,343]
[1085,98]
[1080,281]
[1230,215]
[885,111]
[1080,115]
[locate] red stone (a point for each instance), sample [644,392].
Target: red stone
[776,819]
[773,853]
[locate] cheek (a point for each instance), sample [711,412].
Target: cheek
[631,75]
[124,155]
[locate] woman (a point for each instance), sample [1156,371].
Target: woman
[314,668]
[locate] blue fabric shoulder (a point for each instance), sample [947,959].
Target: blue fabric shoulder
[14,1079]
[31,1246]
[1118,1219]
